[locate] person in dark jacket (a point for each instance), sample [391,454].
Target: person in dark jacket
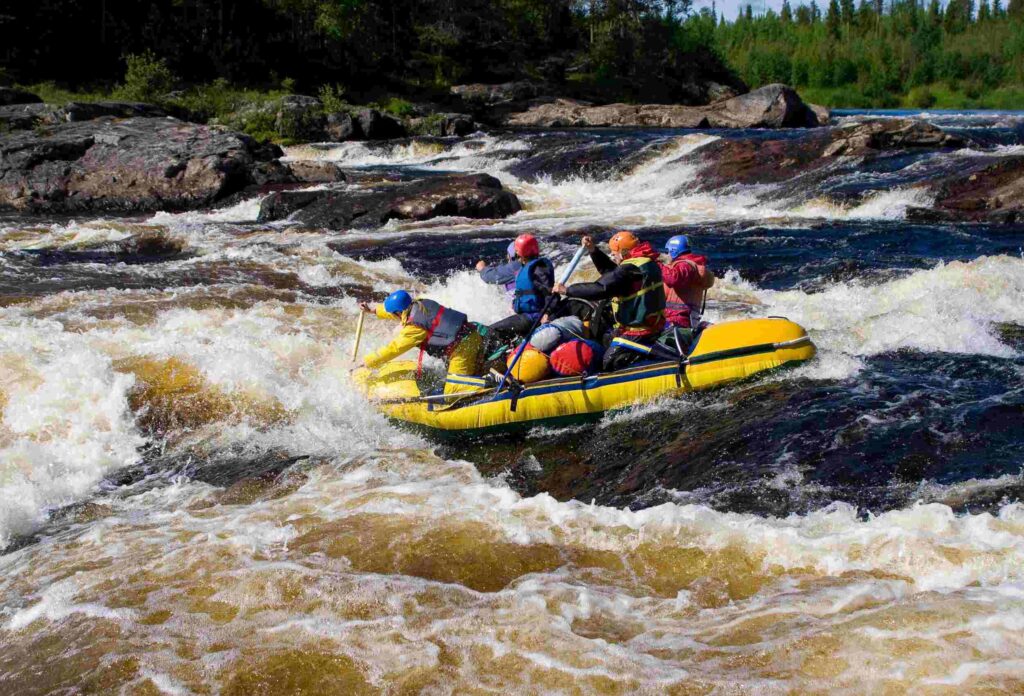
[532,289]
[503,274]
[634,285]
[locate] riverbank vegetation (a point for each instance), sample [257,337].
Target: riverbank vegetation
[218,57]
[874,54]
[632,50]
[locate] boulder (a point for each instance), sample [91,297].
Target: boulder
[316,171]
[341,126]
[888,134]
[474,196]
[822,113]
[280,204]
[456,125]
[13,95]
[132,165]
[377,126]
[981,192]
[771,106]
[746,161]
[481,95]
[88,111]
[716,92]
[22,116]
[298,117]
[443,125]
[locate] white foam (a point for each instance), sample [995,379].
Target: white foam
[72,235]
[65,425]
[949,308]
[471,154]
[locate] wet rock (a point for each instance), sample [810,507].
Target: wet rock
[717,92]
[479,95]
[474,196]
[443,125]
[316,171]
[88,111]
[280,204]
[13,95]
[132,165]
[772,106]
[22,116]
[985,192]
[377,126]
[572,113]
[341,126]
[889,134]
[748,161]
[298,117]
[822,113]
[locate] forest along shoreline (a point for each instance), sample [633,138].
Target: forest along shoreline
[131,157]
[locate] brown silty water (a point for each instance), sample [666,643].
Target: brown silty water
[194,499]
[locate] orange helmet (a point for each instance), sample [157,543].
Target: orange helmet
[622,242]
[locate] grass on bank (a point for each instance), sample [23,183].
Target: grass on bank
[938,95]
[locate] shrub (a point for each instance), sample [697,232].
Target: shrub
[333,98]
[921,97]
[397,107]
[147,78]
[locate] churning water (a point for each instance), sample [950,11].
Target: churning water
[194,500]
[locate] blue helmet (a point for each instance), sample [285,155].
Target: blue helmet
[511,251]
[677,245]
[397,302]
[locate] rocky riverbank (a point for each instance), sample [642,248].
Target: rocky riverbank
[128,157]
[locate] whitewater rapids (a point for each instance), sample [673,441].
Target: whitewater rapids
[194,500]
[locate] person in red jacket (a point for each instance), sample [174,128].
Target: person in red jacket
[687,279]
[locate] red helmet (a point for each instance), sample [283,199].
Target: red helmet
[527,246]
[622,242]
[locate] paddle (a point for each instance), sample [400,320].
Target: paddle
[359,334]
[547,306]
[433,397]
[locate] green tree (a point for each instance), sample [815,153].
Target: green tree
[786,15]
[832,19]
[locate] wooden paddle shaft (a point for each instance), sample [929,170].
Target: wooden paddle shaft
[359,334]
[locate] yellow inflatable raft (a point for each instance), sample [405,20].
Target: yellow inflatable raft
[724,353]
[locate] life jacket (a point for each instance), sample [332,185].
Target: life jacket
[443,326]
[644,309]
[683,303]
[527,298]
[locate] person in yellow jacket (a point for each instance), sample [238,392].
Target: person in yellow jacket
[436,330]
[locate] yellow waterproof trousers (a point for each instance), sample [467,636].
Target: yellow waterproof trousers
[466,361]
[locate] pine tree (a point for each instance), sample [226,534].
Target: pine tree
[847,12]
[787,12]
[997,9]
[984,13]
[865,16]
[815,12]
[803,15]
[1015,8]
[832,19]
[953,21]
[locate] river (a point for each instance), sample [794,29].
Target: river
[193,499]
